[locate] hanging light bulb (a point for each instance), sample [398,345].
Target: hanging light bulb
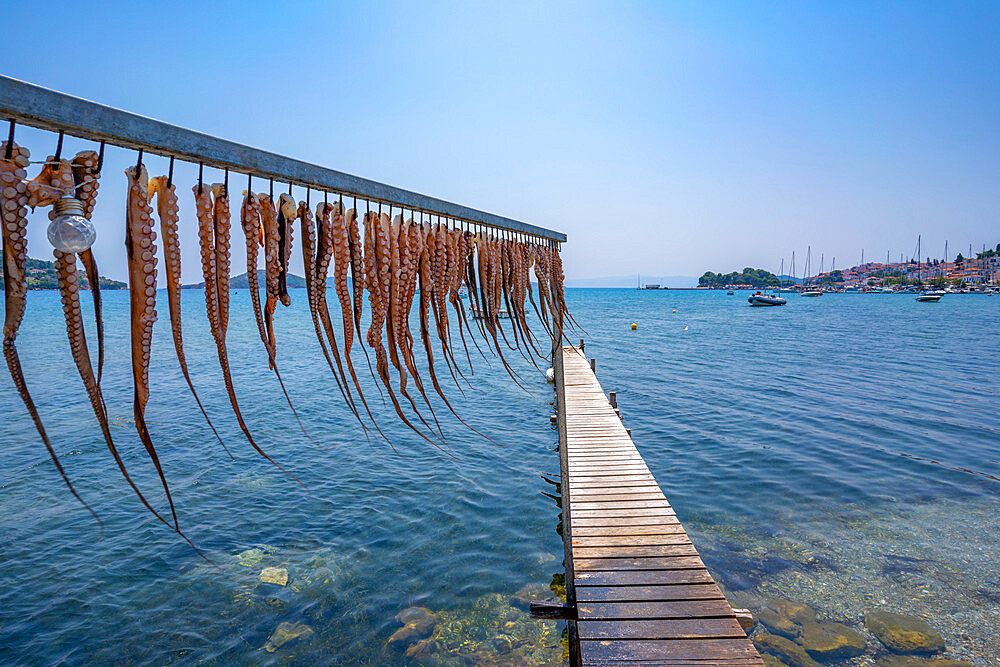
[69,230]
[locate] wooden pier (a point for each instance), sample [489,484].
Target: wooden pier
[637,590]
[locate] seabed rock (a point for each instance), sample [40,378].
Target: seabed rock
[420,649]
[253,556]
[903,634]
[793,611]
[274,575]
[528,594]
[418,623]
[791,653]
[830,641]
[778,624]
[771,661]
[285,633]
[911,661]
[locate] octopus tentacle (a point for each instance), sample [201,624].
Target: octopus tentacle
[86,175]
[454,297]
[13,225]
[405,256]
[167,208]
[69,290]
[141,253]
[272,267]
[390,273]
[316,296]
[206,237]
[355,248]
[335,232]
[427,286]
[379,309]
[221,226]
[487,288]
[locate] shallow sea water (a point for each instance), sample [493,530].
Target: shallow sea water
[840,451]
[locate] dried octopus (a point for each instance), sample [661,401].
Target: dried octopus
[14,212]
[392,258]
[316,261]
[141,254]
[212,210]
[168,211]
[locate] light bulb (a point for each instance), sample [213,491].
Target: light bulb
[69,231]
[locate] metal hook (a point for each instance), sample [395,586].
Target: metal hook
[249,182]
[307,196]
[271,186]
[59,148]
[225,182]
[201,167]
[170,173]
[10,141]
[100,158]
[289,188]
[138,162]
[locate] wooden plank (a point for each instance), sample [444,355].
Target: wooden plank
[604,479]
[685,549]
[702,628]
[659,610]
[594,504]
[705,652]
[635,580]
[658,563]
[656,529]
[655,520]
[680,537]
[636,495]
[694,591]
[639,511]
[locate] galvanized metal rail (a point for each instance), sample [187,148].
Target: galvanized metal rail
[39,107]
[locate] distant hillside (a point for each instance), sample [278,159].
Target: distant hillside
[630,281]
[42,275]
[240,282]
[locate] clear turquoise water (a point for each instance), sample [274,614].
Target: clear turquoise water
[807,449]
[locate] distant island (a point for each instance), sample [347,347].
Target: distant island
[42,275]
[241,282]
[751,277]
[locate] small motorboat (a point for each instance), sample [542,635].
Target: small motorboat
[812,292]
[760,299]
[730,293]
[929,296]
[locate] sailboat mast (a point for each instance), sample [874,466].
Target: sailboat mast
[918,257]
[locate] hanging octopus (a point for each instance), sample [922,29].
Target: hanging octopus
[376,257]
[141,254]
[86,175]
[316,293]
[213,223]
[14,212]
[167,209]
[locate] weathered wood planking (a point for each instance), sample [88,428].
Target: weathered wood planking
[642,592]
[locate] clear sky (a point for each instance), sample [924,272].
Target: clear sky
[663,137]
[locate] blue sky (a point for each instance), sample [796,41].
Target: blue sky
[664,138]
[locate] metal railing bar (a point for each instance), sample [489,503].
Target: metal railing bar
[47,109]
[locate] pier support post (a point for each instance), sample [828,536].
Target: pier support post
[593,365]
[581,345]
[613,398]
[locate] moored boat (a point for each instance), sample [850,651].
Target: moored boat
[760,299]
[929,296]
[812,292]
